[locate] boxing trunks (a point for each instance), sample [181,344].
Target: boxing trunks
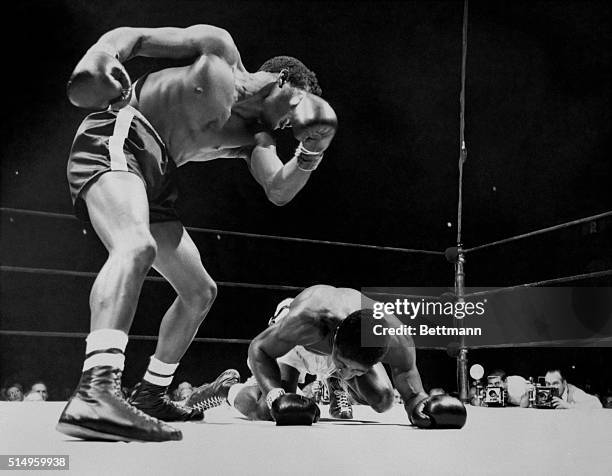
[122,140]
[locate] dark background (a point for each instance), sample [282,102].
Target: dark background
[537,128]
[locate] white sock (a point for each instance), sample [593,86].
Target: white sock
[160,373]
[105,347]
[233,392]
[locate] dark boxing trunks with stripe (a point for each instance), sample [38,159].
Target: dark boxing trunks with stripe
[122,140]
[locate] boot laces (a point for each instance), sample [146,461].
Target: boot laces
[117,381]
[125,403]
[342,399]
[210,402]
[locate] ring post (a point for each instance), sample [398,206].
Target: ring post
[462,358]
[456,255]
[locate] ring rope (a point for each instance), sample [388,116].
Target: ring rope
[586,342]
[80,335]
[248,235]
[159,279]
[560,226]
[132,337]
[90,274]
[563,279]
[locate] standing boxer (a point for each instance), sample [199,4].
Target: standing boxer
[209,109]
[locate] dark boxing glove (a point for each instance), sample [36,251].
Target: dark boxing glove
[439,411]
[315,128]
[294,409]
[99,80]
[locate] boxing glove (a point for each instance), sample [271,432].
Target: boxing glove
[316,134]
[439,411]
[294,409]
[314,125]
[99,80]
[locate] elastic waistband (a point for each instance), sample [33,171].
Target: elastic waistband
[139,84]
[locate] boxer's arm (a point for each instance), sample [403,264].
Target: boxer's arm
[424,411]
[100,79]
[289,377]
[169,42]
[409,386]
[281,182]
[275,341]
[406,377]
[314,124]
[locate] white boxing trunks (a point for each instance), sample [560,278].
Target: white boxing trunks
[301,359]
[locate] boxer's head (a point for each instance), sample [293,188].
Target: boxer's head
[349,356]
[294,79]
[298,75]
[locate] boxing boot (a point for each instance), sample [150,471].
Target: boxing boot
[98,411]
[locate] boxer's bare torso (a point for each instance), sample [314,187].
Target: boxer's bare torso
[213,107]
[317,311]
[191,109]
[321,308]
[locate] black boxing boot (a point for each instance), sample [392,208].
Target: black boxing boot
[153,400]
[211,395]
[339,401]
[98,411]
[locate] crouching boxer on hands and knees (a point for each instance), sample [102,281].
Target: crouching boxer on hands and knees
[324,322]
[120,172]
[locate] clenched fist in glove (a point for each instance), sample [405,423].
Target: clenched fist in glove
[292,409]
[99,80]
[439,411]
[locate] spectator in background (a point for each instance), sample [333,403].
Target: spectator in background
[33,397]
[182,392]
[607,401]
[571,397]
[14,393]
[41,388]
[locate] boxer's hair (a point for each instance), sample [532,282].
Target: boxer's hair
[348,339]
[299,75]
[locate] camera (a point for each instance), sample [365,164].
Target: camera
[543,396]
[494,396]
[494,393]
